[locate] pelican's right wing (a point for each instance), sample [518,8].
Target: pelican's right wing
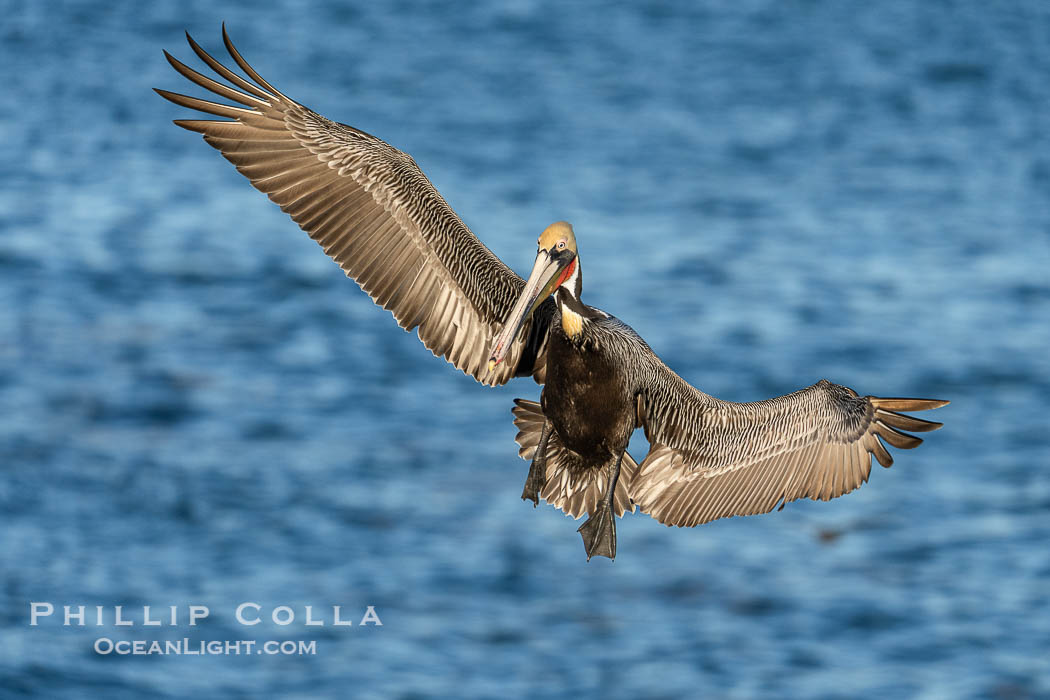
[375,213]
[712,459]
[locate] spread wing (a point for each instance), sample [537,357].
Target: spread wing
[712,459]
[375,213]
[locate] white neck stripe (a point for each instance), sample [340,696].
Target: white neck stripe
[569,284]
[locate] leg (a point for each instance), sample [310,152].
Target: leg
[538,471]
[599,532]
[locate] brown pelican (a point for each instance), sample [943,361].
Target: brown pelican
[375,213]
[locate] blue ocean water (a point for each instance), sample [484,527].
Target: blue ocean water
[198,408]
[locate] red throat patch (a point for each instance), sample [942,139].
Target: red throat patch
[567,273]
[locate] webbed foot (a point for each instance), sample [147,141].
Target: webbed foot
[534,484]
[599,532]
[538,469]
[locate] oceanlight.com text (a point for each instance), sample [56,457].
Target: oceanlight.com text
[187,647]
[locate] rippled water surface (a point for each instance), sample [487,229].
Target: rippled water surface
[198,408]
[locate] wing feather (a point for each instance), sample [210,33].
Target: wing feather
[373,211]
[713,459]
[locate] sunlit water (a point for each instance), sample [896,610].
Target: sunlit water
[196,407]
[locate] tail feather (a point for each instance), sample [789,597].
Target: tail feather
[572,485]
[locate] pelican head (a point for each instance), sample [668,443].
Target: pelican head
[556,266]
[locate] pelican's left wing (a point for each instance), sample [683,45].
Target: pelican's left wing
[375,213]
[712,459]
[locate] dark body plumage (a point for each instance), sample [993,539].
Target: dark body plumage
[375,213]
[585,395]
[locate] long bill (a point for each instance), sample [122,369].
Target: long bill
[540,285]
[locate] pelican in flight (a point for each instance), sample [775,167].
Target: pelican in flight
[375,213]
